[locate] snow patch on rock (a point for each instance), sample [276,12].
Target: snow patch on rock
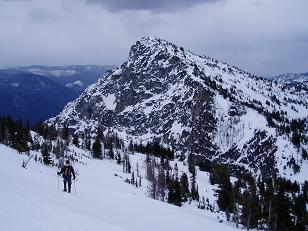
[110,101]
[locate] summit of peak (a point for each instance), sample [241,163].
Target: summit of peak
[146,39]
[156,42]
[149,45]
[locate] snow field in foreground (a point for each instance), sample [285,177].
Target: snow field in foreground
[30,200]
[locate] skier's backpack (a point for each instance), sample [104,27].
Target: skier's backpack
[67,171]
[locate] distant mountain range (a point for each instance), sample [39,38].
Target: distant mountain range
[76,77]
[38,92]
[298,81]
[290,78]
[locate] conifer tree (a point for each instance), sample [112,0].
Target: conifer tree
[194,188]
[184,187]
[161,183]
[174,192]
[126,163]
[254,203]
[153,184]
[87,141]
[65,133]
[250,205]
[76,140]
[283,211]
[226,196]
[119,159]
[97,148]
[269,203]
[301,212]
[191,163]
[131,147]
[237,199]
[132,181]
[45,154]
[246,211]
[110,149]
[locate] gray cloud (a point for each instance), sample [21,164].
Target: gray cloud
[151,5]
[15,0]
[259,36]
[42,14]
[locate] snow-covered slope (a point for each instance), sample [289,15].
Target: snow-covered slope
[289,78]
[195,104]
[297,81]
[30,200]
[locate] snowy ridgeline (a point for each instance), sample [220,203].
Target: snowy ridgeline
[31,200]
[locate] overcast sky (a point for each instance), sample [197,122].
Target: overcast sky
[264,37]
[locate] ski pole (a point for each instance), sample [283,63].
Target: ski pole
[75,186]
[58,182]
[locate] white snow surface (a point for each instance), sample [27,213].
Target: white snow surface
[56,73]
[62,73]
[15,84]
[109,101]
[78,83]
[289,78]
[31,201]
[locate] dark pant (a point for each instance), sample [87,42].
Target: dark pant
[67,181]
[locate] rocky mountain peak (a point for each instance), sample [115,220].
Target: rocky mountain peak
[194,104]
[152,43]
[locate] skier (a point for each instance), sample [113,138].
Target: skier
[67,171]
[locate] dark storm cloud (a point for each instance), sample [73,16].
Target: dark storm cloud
[151,5]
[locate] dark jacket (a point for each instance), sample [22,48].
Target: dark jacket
[67,172]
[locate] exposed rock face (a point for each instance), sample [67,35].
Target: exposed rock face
[195,104]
